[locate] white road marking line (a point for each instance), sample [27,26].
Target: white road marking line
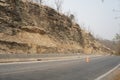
[106,74]
[78,57]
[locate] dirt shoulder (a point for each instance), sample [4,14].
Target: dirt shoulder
[115,75]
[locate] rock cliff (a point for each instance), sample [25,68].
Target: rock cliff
[26,27]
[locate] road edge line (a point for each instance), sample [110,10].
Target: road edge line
[48,60]
[107,73]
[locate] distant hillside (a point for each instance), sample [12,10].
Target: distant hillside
[30,28]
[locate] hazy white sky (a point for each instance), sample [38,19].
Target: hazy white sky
[98,17]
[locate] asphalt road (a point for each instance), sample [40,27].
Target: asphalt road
[77,69]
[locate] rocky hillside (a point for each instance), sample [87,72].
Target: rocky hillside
[26,27]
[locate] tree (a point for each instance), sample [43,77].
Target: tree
[102,1]
[117,39]
[58,4]
[72,17]
[39,2]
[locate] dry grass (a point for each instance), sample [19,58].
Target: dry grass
[117,76]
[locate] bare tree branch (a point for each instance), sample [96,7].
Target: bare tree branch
[58,4]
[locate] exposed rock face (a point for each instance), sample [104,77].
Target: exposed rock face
[28,28]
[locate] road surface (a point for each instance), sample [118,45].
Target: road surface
[77,69]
